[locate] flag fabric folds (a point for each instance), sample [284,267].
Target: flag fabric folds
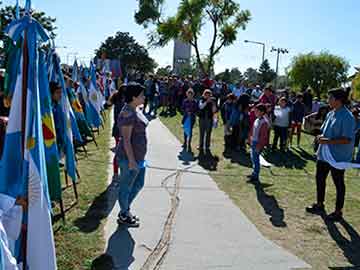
[23,169]
[65,127]
[49,133]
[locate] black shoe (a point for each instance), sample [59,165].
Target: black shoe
[335,217]
[134,217]
[315,209]
[127,221]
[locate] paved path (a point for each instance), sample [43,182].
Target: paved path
[187,222]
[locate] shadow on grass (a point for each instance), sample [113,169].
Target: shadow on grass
[287,159]
[305,155]
[121,248]
[100,209]
[270,205]
[350,247]
[208,161]
[239,157]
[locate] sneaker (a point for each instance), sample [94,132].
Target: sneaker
[134,217]
[127,221]
[335,217]
[315,209]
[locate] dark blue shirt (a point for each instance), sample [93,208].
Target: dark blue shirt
[298,112]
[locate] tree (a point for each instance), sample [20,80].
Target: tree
[164,71]
[251,76]
[321,71]
[7,14]
[266,74]
[133,56]
[356,87]
[232,76]
[225,17]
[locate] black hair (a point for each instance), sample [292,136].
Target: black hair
[339,94]
[261,108]
[53,87]
[133,90]
[103,262]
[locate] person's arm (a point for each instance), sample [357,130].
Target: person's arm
[126,132]
[342,140]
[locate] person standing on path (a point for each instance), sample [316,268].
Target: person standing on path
[131,152]
[189,108]
[337,132]
[207,111]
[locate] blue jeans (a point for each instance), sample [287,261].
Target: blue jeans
[255,159]
[131,183]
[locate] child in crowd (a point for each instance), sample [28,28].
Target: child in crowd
[259,139]
[281,123]
[189,107]
[297,117]
[226,112]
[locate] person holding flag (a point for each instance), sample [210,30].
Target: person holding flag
[189,108]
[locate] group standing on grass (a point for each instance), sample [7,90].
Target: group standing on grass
[248,116]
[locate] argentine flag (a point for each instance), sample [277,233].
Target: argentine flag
[23,167]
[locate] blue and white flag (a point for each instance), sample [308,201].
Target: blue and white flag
[56,75]
[96,97]
[23,166]
[75,74]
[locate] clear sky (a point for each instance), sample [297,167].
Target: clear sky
[300,26]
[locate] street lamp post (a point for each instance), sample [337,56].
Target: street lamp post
[258,43]
[278,51]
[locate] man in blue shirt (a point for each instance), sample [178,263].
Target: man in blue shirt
[338,133]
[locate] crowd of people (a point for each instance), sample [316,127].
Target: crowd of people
[248,113]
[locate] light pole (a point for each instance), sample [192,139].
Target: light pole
[258,43]
[278,51]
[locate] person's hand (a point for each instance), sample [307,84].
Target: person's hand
[22,202]
[133,166]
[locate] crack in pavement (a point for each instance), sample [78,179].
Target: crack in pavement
[157,256]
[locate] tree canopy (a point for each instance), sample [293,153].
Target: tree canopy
[7,14]
[230,76]
[225,17]
[321,71]
[356,86]
[266,74]
[133,56]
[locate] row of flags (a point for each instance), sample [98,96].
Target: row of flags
[29,167]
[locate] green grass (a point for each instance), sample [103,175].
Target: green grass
[277,206]
[80,239]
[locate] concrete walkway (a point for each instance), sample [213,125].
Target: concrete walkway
[187,222]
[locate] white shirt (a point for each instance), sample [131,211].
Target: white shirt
[282,116]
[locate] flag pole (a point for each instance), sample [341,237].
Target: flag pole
[23,130]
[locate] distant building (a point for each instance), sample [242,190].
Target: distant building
[182,56]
